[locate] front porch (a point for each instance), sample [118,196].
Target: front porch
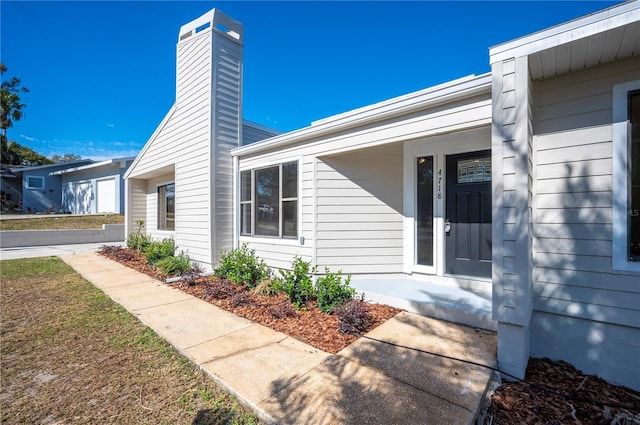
[455,300]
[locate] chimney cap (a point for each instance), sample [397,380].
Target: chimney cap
[215,20]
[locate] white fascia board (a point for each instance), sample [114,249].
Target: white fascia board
[153,137]
[94,165]
[402,105]
[607,19]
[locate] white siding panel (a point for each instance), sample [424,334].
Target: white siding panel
[359,220]
[594,347]
[573,216]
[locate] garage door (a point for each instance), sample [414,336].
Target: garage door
[106,196]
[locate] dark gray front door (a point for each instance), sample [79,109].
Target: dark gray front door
[468,214]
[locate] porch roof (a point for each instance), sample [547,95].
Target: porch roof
[441,94]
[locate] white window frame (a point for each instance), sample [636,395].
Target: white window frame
[35,187]
[280,239]
[158,202]
[621,136]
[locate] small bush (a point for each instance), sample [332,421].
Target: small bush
[332,292]
[297,283]
[267,287]
[156,251]
[241,266]
[174,266]
[354,317]
[191,276]
[283,310]
[139,241]
[220,289]
[241,298]
[109,249]
[123,255]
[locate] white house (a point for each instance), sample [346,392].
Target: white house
[521,185]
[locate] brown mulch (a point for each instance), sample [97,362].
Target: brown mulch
[535,401]
[310,325]
[555,392]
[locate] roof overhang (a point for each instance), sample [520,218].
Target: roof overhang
[403,105]
[602,37]
[121,162]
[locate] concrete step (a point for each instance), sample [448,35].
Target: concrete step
[465,305]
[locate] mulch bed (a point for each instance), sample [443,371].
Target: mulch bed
[535,401]
[555,392]
[310,325]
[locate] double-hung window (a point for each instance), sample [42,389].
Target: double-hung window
[269,201]
[167,207]
[626,176]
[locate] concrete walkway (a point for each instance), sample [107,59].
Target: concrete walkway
[288,382]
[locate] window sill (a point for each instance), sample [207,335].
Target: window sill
[271,241]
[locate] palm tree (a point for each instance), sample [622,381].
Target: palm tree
[10,101]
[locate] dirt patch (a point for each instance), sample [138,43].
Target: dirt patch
[71,355]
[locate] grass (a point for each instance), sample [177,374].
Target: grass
[70,354]
[56,222]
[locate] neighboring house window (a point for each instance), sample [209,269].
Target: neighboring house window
[35,182]
[626,176]
[269,201]
[167,207]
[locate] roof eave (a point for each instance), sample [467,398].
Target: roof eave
[402,105]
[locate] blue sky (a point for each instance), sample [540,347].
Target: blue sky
[102,74]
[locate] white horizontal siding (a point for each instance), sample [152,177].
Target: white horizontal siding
[572,223]
[227,130]
[363,235]
[252,133]
[183,137]
[278,254]
[598,348]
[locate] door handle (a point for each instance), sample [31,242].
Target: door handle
[447,226]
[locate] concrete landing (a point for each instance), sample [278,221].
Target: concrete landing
[288,382]
[467,306]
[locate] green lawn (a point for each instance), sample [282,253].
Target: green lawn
[52,222]
[72,355]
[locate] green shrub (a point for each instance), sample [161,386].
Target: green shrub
[297,283]
[174,266]
[156,251]
[139,241]
[332,292]
[241,265]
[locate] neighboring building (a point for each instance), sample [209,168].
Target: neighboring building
[77,187]
[94,188]
[522,183]
[41,191]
